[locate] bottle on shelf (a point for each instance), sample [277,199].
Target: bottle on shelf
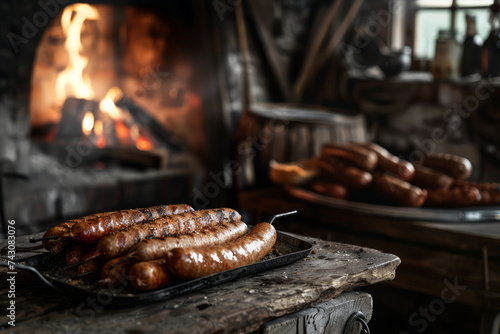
[471,48]
[491,47]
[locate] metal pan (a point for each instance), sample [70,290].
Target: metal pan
[286,250]
[452,215]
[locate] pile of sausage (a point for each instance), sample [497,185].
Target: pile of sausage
[439,181]
[153,247]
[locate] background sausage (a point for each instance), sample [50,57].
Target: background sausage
[150,275]
[458,167]
[429,178]
[334,190]
[454,197]
[390,163]
[344,173]
[398,191]
[189,263]
[358,156]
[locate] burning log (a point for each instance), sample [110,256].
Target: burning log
[71,127]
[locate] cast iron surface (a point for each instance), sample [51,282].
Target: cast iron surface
[449,215]
[287,250]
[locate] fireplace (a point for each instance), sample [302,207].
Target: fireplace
[104,105]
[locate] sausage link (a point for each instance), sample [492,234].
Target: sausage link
[76,253]
[150,275]
[115,276]
[453,165]
[334,190]
[158,248]
[391,163]
[344,173]
[57,245]
[359,156]
[92,230]
[431,179]
[398,191]
[92,264]
[454,197]
[119,243]
[189,263]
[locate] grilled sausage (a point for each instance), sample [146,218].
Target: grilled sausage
[91,266]
[150,275]
[92,230]
[189,263]
[115,272]
[453,165]
[119,243]
[398,191]
[334,190]
[344,173]
[431,179]
[358,156]
[158,248]
[454,197]
[76,253]
[390,163]
[57,245]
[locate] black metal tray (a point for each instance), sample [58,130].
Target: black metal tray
[286,250]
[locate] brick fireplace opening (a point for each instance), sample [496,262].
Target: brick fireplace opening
[103,106]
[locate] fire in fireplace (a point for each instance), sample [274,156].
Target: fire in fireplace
[90,57]
[121,105]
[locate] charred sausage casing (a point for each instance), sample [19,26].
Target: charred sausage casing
[92,230]
[213,235]
[398,191]
[57,245]
[190,263]
[390,163]
[114,274]
[150,275]
[119,243]
[453,165]
[344,173]
[358,156]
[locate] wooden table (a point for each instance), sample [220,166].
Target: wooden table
[241,306]
[432,253]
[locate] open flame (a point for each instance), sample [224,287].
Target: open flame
[109,125]
[71,81]
[107,104]
[88,123]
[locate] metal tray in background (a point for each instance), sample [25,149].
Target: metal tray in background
[438,215]
[289,248]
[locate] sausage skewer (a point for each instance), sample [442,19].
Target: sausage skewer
[190,263]
[119,243]
[158,248]
[155,274]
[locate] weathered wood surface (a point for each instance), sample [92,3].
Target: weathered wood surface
[431,253]
[240,306]
[328,317]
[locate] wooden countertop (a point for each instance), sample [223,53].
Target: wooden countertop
[240,306]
